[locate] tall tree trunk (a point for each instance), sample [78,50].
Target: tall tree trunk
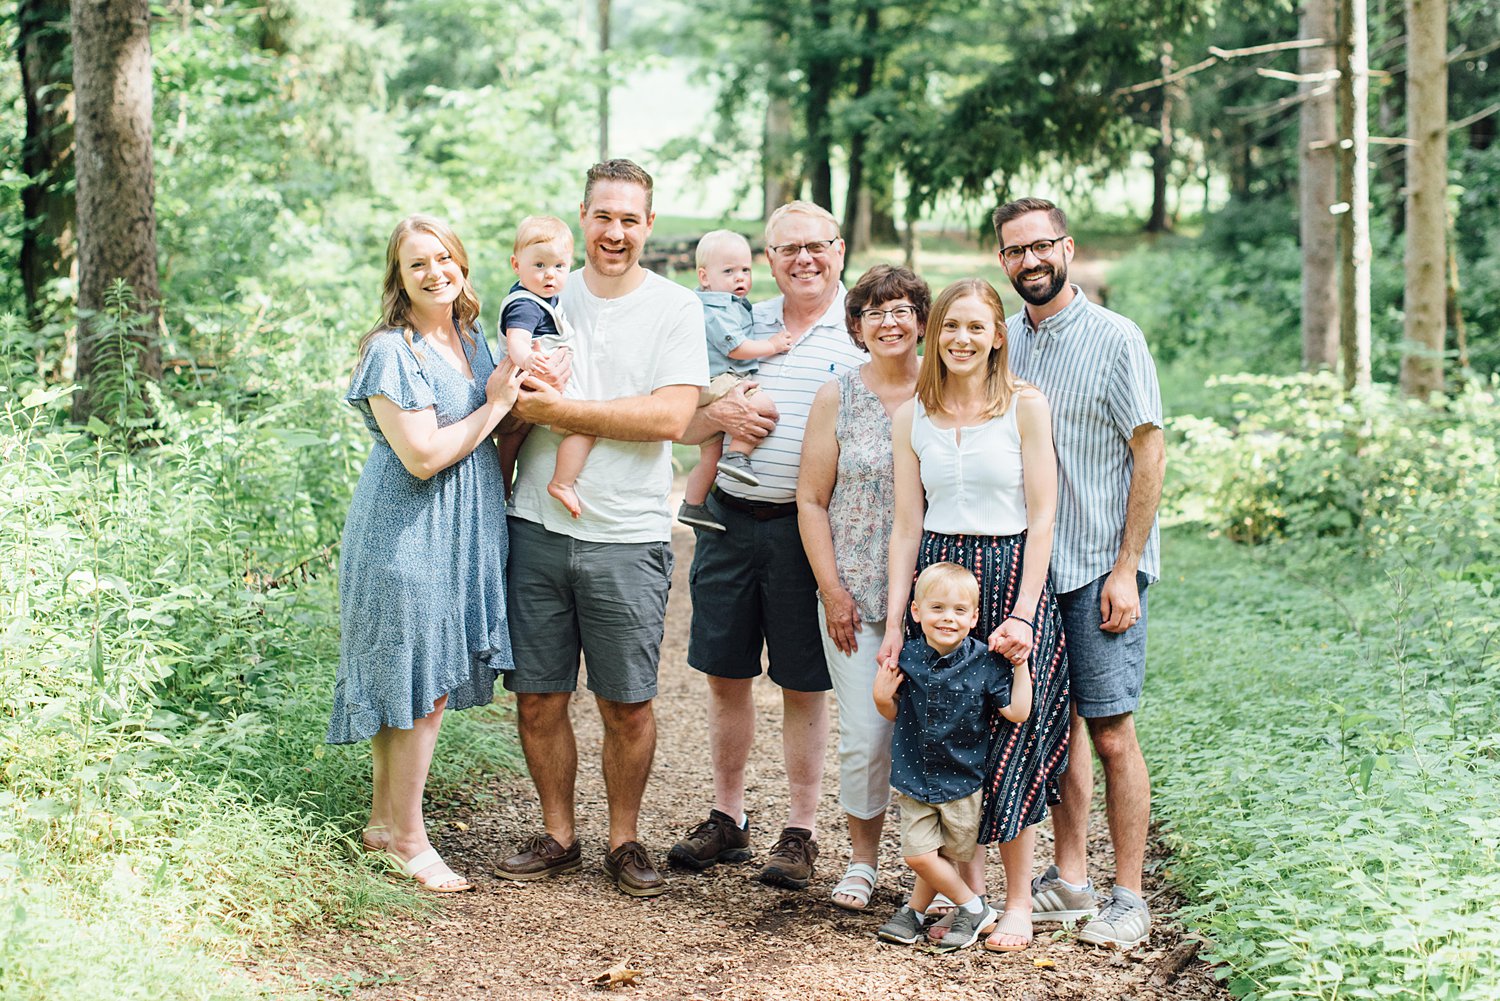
[603,80]
[1426,196]
[1161,153]
[1317,190]
[1456,311]
[822,73]
[779,177]
[48,244]
[1354,188]
[116,193]
[856,198]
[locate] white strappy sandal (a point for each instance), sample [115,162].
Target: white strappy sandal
[858,882]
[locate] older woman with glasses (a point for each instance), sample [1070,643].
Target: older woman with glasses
[845,507]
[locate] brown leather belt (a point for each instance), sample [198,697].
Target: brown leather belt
[759,510]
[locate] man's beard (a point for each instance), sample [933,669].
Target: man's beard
[1041,295]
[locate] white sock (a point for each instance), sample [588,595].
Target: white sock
[973,906]
[1075,887]
[744,820]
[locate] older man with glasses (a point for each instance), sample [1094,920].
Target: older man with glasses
[752,586]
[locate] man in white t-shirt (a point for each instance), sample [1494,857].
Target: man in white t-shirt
[752,585]
[597,584]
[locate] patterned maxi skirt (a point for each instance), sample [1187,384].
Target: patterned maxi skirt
[1025,760]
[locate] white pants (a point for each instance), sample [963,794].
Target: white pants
[864,734]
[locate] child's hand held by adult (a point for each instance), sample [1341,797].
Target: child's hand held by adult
[504,383]
[1013,640]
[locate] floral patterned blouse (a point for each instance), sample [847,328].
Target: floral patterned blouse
[863,504]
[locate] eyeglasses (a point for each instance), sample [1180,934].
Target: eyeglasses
[1042,249]
[899,313]
[816,248]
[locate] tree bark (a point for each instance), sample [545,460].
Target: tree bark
[1426,197]
[856,198]
[822,73]
[116,210]
[1354,188]
[1161,153]
[1317,190]
[48,243]
[781,182]
[603,80]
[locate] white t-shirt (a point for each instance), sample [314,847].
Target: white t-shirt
[630,346]
[792,380]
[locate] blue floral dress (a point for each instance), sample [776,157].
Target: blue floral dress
[422,565]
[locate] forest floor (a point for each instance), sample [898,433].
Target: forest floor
[715,935]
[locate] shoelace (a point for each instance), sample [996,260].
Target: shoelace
[785,847]
[537,843]
[635,854]
[710,826]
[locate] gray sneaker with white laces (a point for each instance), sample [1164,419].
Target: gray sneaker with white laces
[1124,923]
[1054,900]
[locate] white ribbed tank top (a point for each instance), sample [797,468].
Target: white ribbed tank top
[972,476]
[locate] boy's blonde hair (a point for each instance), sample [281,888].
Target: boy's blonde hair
[946,575]
[541,229]
[717,240]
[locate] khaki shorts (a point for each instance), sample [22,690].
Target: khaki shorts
[952,827]
[722,385]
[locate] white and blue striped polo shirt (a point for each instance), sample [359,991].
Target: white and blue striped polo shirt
[792,380]
[1098,376]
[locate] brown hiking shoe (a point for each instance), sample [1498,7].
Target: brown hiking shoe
[631,869]
[541,855]
[717,839]
[792,858]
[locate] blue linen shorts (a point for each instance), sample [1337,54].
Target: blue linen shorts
[1107,670]
[607,600]
[752,586]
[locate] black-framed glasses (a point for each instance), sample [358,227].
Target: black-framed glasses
[1041,249]
[816,248]
[898,313]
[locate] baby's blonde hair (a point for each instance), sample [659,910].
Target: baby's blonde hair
[717,240]
[542,229]
[949,575]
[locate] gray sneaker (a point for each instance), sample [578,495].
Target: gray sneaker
[1124,923]
[904,927]
[1053,900]
[698,516]
[966,928]
[736,466]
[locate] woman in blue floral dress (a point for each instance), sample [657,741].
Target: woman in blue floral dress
[422,567]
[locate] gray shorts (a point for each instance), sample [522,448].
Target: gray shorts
[1107,670]
[605,599]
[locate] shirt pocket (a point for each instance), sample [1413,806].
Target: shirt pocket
[966,723]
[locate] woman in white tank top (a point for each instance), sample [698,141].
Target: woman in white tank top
[976,484]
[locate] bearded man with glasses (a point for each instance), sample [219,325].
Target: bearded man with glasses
[752,586]
[1096,371]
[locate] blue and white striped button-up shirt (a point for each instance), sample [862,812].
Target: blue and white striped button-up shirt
[1097,373]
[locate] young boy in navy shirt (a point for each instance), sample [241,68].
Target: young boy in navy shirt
[941,698]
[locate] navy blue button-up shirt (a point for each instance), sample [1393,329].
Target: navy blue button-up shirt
[943,712]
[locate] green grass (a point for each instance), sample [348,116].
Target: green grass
[1325,759]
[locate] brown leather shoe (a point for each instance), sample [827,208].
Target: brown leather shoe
[540,856]
[631,869]
[791,861]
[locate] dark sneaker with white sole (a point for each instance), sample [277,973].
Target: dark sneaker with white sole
[699,516]
[904,927]
[736,466]
[717,839]
[966,927]
[791,861]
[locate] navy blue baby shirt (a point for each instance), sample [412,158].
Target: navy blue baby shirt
[943,711]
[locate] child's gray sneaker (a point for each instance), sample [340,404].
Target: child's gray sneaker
[966,927]
[904,927]
[699,516]
[1054,900]
[736,466]
[1124,923]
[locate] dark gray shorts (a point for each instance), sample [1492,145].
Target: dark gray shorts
[606,599]
[752,585]
[1107,670]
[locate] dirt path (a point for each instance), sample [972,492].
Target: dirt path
[715,935]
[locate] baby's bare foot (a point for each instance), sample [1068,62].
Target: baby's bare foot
[567,496]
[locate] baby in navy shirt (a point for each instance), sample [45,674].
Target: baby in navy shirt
[941,698]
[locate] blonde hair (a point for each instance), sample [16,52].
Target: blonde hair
[946,575]
[541,229]
[999,384]
[717,240]
[395,306]
[800,208]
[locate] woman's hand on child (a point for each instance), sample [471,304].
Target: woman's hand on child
[504,383]
[1012,640]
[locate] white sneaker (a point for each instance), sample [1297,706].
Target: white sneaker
[1124,923]
[1054,900]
